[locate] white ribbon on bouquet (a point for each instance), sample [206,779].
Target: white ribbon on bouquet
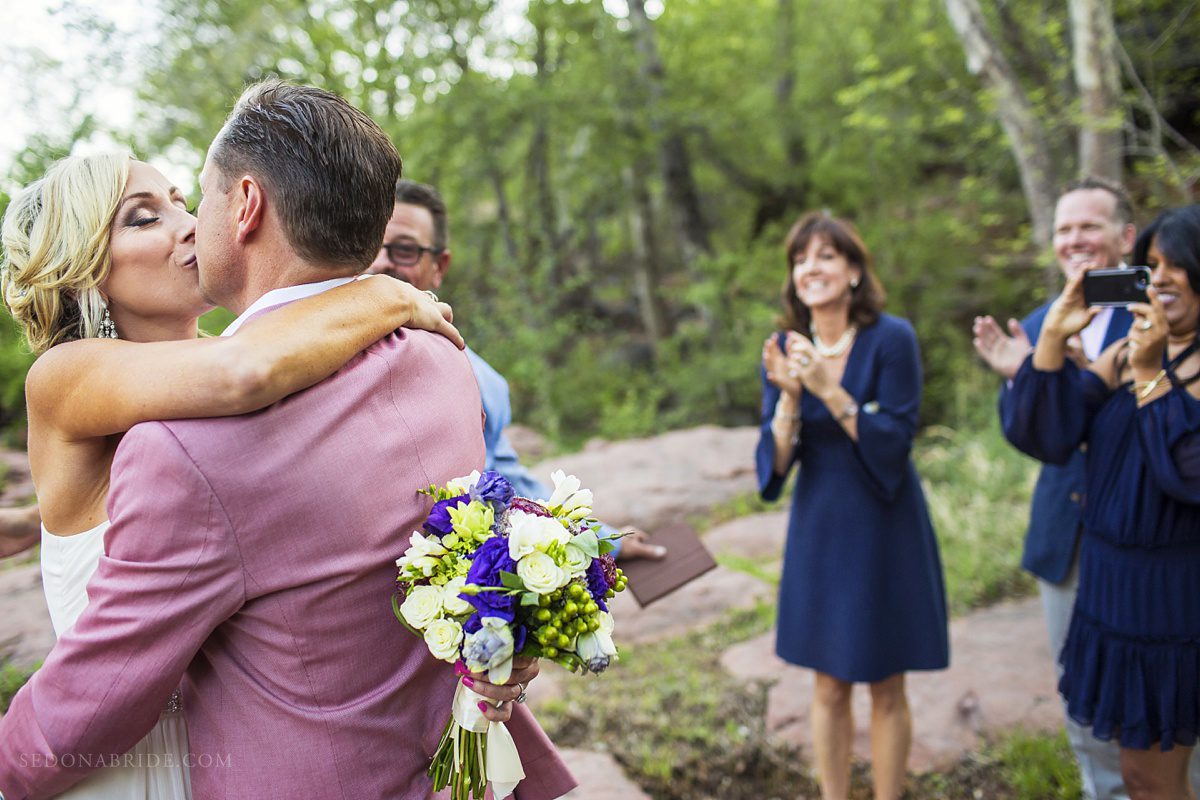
[503,764]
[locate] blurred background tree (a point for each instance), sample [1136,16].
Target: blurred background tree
[620,174]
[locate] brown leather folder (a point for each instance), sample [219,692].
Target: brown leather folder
[686,560]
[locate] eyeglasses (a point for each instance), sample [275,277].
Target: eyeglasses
[406,254]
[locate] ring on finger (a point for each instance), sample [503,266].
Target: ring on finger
[432,295]
[499,704]
[521,696]
[805,361]
[793,373]
[1145,325]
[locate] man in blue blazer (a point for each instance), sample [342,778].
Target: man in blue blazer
[1093,225]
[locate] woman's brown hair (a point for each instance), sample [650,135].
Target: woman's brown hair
[866,299]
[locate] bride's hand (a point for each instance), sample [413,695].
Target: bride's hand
[424,311]
[523,672]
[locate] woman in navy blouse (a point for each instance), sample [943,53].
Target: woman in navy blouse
[861,598]
[1131,662]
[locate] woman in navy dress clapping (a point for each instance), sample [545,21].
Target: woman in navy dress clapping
[1131,662]
[861,598]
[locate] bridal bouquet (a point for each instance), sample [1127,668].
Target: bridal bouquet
[495,576]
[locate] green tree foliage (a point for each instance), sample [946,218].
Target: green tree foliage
[557,142]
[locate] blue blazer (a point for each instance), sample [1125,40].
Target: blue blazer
[1055,513]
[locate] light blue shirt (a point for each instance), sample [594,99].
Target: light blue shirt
[501,456]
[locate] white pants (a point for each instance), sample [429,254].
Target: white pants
[1099,761]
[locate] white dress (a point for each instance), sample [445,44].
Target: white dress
[156,767]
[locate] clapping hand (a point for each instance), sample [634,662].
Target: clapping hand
[782,369]
[1003,352]
[810,366]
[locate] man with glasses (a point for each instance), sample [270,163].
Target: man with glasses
[416,249]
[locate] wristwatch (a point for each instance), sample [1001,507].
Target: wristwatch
[848,411]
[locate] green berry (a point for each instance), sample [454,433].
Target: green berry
[551,631]
[564,640]
[543,600]
[550,652]
[543,615]
[571,609]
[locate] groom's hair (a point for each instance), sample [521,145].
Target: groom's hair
[328,167]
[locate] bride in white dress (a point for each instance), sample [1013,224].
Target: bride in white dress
[100,272]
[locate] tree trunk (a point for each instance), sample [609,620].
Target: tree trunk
[645,256]
[1093,41]
[1025,133]
[545,241]
[691,230]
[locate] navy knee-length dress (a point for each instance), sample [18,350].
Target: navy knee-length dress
[861,597]
[1131,661]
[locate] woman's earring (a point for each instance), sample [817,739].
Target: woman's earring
[854,283]
[107,329]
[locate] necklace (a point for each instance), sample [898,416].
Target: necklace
[837,348]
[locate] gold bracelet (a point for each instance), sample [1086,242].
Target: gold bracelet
[1142,390]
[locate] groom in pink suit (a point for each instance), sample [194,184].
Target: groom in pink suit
[252,558]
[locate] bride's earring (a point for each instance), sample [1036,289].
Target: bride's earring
[107,329]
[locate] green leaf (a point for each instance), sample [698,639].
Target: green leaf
[588,543]
[512,581]
[606,547]
[529,599]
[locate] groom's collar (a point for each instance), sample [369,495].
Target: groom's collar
[277,297]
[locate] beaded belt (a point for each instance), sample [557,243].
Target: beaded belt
[174,703]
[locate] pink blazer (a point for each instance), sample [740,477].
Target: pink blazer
[253,559]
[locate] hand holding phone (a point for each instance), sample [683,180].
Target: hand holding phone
[1116,287]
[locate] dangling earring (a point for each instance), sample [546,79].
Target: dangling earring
[107,329]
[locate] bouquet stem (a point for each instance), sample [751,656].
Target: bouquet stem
[460,762]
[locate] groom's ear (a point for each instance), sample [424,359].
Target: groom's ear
[252,207]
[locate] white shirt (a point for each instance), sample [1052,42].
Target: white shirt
[285,295]
[1093,335]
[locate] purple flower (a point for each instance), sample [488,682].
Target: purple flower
[439,522]
[598,584]
[487,563]
[494,488]
[518,639]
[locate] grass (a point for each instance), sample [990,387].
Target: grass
[12,678]
[978,489]
[682,727]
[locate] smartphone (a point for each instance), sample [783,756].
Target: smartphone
[1116,287]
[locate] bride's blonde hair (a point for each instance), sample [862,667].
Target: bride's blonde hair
[56,248]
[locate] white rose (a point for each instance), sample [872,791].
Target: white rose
[442,637]
[422,606]
[421,554]
[463,485]
[455,605]
[577,561]
[540,574]
[529,532]
[571,500]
